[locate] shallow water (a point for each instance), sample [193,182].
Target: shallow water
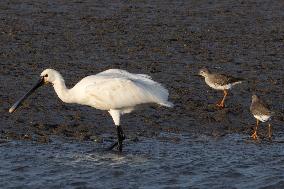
[233,161]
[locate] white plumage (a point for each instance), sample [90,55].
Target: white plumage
[116,91]
[262,118]
[220,87]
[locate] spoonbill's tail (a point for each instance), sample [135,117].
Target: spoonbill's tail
[167,104]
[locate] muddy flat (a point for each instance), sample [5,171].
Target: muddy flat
[52,144]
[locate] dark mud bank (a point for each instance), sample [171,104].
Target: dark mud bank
[168,40]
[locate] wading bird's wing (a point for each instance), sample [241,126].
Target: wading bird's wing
[117,93]
[222,79]
[260,108]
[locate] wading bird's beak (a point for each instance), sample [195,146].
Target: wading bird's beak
[39,83]
[197,75]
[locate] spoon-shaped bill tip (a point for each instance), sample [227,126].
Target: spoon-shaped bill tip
[12,109]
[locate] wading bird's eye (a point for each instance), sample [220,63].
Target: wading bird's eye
[46,75]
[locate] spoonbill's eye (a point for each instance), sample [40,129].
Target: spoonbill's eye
[46,75]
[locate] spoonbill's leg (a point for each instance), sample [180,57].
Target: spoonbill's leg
[254,135]
[120,138]
[221,104]
[115,114]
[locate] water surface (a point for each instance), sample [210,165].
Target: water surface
[233,161]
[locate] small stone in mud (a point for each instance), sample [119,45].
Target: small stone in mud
[27,137]
[96,139]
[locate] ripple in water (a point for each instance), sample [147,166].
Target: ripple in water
[232,161]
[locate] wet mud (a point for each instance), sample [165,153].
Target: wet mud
[169,40]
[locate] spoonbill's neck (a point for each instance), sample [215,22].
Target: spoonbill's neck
[61,90]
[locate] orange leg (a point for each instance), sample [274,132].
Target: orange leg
[254,135]
[221,104]
[269,131]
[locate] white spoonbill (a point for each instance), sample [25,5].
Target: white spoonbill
[114,90]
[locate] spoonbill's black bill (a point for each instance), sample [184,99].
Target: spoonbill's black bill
[39,83]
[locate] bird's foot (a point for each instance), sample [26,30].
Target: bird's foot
[118,144]
[112,146]
[254,136]
[220,105]
[120,140]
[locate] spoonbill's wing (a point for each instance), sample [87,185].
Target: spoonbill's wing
[117,93]
[114,73]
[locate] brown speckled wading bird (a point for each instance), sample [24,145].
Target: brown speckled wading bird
[261,113]
[219,82]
